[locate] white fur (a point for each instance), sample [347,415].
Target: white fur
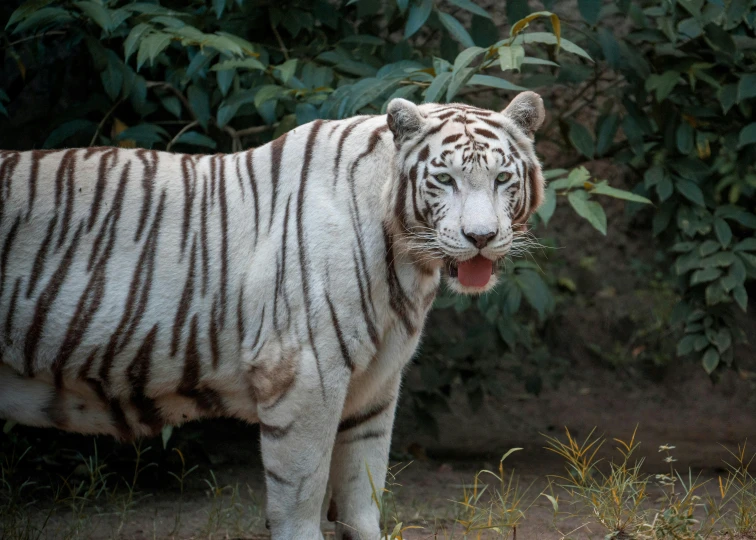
[306,361]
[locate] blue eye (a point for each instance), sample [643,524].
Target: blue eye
[443,178]
[503,177]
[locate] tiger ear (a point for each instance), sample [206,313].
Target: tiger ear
[404,119]
[526,110]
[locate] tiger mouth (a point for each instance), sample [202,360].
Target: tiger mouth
[452,267]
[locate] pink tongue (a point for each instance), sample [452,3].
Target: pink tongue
[475,272]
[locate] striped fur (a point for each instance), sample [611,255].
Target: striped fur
[285,285]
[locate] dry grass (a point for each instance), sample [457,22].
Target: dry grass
[614,494]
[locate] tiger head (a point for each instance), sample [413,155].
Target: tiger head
[467,180]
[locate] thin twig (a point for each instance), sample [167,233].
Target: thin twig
[102,122]
[35,36]
[180,133]
[168,86]
[256,129]
[284,50]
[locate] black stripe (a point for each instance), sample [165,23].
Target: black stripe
[340,335]
[45,301]
[358,419]
[276,153]
[303,262]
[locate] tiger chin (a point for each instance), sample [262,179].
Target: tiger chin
[286,285]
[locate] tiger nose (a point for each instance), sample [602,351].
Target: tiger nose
[479,240]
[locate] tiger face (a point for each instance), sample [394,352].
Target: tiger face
[468,180]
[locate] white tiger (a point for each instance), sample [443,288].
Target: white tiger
[285,285]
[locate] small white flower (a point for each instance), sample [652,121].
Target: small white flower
[666,448]
[669,459]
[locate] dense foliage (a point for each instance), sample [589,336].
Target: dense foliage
[666,88]
[683,104]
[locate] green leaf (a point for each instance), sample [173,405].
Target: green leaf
[287,70]
[229,107]
[172,105]
[42,18]
[705,275]
[723,232]
[418,14]
[134,38]
[691,191]
[494,82]
[511,57]
[662,84]
[112,76]
[225,79]
[653,176]
[472,7]
[68,130]
[196,139]
[723,340]
[546,210]
[610,47]
[728,96]
[219,6]
[577,177]
[455,29]
[165,435]
[603,188]
[747,135]
[535,291]
[25,10]
[461,74]
[707,248]
[247,63]
[683,247]
[144,134]
[200,103]
[606,130]
[664,189]
[685,138]
[466,57]
[685,345]
[582,139]
[458,80]
[741,297]
[589,210]
[97,12]
[747,87]
[151,46]
[368,90]
[437,87]
[589,10]
[550,39]
[710,360]
[749,244]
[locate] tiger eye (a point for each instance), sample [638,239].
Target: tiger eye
[503,177]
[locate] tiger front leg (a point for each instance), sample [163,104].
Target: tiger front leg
[297,432]
[362,445]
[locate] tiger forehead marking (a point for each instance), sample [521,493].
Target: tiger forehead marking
[286,285]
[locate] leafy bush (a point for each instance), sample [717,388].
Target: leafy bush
[681,96]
